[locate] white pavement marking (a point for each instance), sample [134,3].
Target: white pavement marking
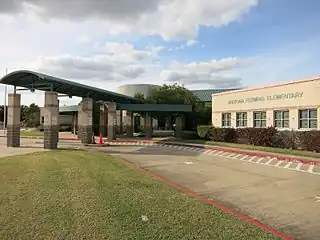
[310,169]
[259,160]
[237,156]
[269,161]
[318,199]
[218,153]
[231,155]
[251,159]
[288,165]
[278,163]
[189,162]
[244,157]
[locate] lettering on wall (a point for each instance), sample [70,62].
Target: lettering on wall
[280,96]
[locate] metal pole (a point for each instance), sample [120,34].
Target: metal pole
[5,106]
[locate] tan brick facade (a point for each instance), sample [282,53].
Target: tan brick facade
[294,105]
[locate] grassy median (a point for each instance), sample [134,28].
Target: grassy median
[84,195]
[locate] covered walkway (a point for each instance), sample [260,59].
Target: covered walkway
[109,102]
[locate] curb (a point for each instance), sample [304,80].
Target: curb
[211,202]
[257,154]
[266,155]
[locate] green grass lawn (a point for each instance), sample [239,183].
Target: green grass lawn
[34,133]
[84,195]
[256,148]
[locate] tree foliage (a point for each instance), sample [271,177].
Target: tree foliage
[176,94]
[29,115]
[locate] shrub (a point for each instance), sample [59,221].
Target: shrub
[243,135]
[223,135]
[285,139]
[261,136]
[309,141]
[203,131]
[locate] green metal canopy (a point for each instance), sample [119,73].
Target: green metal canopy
[38,81]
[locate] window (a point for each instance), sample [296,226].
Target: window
[42,120]
[259,119]
[226,119]
[308,118]
[281,119]
[241,119]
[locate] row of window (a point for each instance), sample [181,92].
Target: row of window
[307,119]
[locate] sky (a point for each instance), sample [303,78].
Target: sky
[200,44]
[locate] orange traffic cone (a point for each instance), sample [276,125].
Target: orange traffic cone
[101,139]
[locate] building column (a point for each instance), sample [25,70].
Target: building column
[168,124]
[74,123]
[13,120]
[51,121]
[179,126]
[121,122]
[103,119]
[112,120]
[85,121]
[130,124]
[148,125]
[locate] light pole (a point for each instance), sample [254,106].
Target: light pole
[5,106]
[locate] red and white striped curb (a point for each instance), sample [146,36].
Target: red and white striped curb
[299,166]
[282,158]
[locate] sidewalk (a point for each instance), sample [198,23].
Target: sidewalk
[306,160]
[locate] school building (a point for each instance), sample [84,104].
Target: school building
[288,106]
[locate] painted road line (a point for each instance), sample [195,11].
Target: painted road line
[299,166]
[218,153]
[189,162]
[310,169]
[232,155]
[269,161]
[212,152]
[260,159]
[288,165]
[243,158]
[251,159]
[224,154]
[236,156]
[278,163]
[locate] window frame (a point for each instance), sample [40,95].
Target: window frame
[282,119]
[309,118]
[259,119]
[241,119]
[227,120]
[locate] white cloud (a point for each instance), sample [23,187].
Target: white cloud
[191,42]
[168,18]
[116,62]
[215,73]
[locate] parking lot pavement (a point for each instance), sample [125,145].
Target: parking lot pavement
[283,199]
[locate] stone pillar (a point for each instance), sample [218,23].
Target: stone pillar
[85,120]
[168,124]
[179,126]
[51,121]
[112,120]
[130,124]
[148,125]
[80,116]
[13,120]
[74,123]
[121,122]
[103,119]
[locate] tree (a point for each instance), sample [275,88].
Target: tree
[139,97]
[176,94]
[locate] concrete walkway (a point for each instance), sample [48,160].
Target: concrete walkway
[283,199]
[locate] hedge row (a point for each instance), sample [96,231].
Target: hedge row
[268,137]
